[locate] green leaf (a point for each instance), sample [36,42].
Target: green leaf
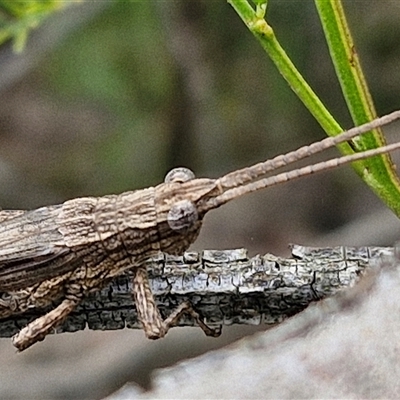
[18,18]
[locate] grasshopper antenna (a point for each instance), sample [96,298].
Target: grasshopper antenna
[246,180]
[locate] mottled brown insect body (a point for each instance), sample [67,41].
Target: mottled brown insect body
[59,254]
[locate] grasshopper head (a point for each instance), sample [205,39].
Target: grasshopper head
[178,203]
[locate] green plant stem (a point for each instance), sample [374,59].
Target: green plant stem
[379,175]
[265,35]
[378,172]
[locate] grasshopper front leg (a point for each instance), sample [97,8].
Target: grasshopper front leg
[149,315]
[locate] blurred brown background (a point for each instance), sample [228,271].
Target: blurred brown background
[108,96]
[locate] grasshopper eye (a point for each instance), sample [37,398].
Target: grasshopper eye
[182,215]
[180,175]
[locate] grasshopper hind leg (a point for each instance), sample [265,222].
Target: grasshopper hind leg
[149,315]
[38,329]
[186,308]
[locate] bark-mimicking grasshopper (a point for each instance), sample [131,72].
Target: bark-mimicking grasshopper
[59,254]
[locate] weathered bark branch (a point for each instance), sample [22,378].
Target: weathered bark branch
[225,287]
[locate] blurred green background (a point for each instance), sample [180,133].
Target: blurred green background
[108,96]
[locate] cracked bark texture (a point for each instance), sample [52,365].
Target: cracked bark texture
[225,287]
[342,347]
